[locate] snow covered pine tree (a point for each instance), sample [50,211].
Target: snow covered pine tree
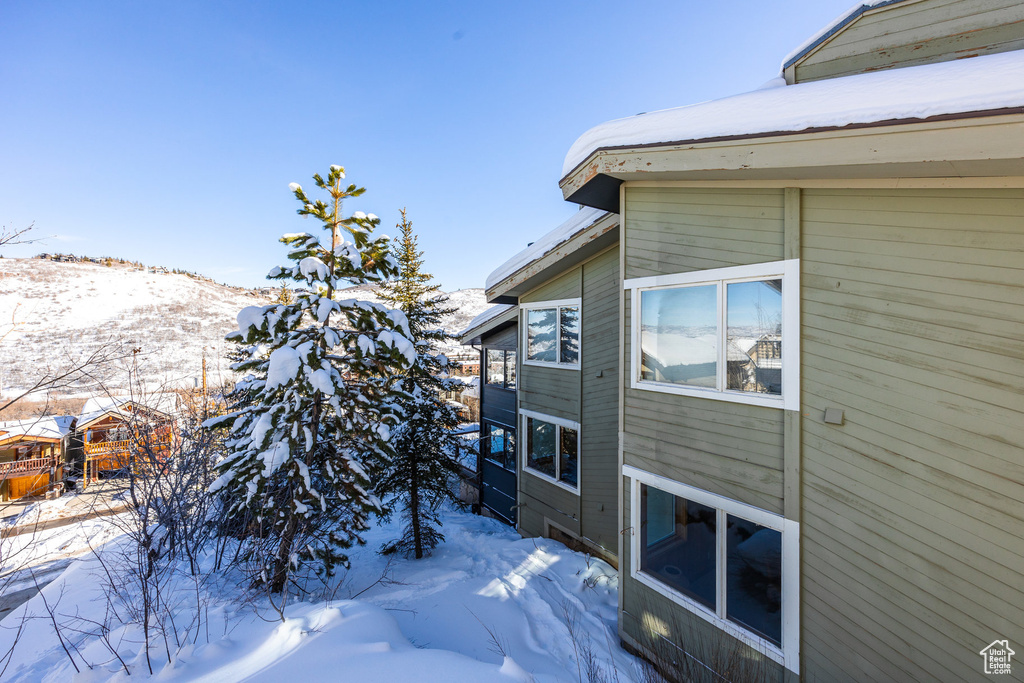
[421,474]
[310,427]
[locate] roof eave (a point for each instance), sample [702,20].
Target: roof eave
[968,146]
[597,237]
[495,324]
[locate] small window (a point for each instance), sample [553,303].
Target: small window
[553,334]
[501,368]
[500,445]
[552,449]
[733,565]
[727,334]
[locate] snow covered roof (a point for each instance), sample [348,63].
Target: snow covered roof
[985,83]
[489,314]
[580,221]
[833,27]
[98,406]
[38,427]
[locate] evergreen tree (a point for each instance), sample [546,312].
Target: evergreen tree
[424,444]
[310,423]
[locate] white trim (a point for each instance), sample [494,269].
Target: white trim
[788,271]
[522,440]
[525,334]
[789,654]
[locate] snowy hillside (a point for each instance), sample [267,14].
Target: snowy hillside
[71,308]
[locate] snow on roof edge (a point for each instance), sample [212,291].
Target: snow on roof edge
[489,314]
[983,83]
[580,221]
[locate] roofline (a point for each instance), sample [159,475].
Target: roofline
[15,438]
[503,319]
[503,291]
[841,25]
[119,413]
[1003,111]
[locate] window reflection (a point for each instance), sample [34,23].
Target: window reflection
[754,336]
[679,335]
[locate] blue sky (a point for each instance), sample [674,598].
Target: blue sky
[167,132]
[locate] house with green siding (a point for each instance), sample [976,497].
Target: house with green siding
[783,343]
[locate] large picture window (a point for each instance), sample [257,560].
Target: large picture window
[552,333]
[501,368]
[728,334]
[552,448]
[730,563]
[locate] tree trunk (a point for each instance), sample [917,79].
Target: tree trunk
[414,509]
[284,551]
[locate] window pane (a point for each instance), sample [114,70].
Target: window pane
[754,351]
[569,325]
[510,450]
[495,366]
[677,543]
[541,333]
[540,446]
[495,446]
[510,369]
[568,457]
[678,335]
[754,578]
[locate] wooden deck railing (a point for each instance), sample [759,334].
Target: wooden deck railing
[105,447]
[21,468]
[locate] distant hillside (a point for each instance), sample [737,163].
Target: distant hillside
[60,308]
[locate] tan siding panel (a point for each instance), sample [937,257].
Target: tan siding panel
[565,286]
[913,508]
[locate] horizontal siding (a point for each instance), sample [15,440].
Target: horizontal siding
[540,499]
[918,33]
[552,391]
[913,509]
[565,286]
[599,478]
[675,230]
[502,339]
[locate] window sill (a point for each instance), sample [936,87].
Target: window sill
[550,364]
[748,398]
[551,480]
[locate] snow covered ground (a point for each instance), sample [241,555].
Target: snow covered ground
[487,605]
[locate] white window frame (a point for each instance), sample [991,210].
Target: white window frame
[522,441]
[789,654]
[788,271]
[558,304]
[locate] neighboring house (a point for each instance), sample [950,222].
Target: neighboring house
[30,456]
[494,332]
[565,286]
[112,428]
[800,356]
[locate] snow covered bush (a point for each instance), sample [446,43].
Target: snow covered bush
[309,426]
[424,467]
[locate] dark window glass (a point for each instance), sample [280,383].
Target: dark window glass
[678,543]
[569,327]
[510,450]
[568,456]
[541,334]
[754,336]
[540,446]
[495,367]
[510,370]
[495,446]
[754,578]
[679,335]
